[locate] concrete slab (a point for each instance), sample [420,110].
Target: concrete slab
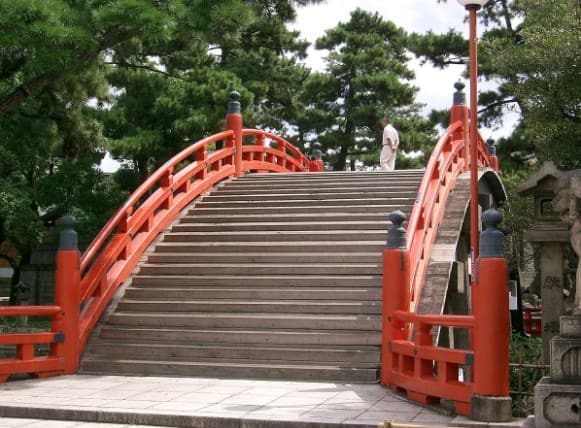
[85,401]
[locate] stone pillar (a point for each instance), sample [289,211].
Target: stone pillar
[551,292]
[558,396]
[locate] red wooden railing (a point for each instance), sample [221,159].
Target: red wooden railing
[410,360]
[532,321]
[26,358]
[449,159]
[85,285]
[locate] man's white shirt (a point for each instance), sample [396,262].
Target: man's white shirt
[389,133]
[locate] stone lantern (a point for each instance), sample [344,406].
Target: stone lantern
[558,220]
[550,235]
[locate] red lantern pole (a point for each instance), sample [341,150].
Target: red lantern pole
[473,68]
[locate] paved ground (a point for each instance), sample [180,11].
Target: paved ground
[84,401]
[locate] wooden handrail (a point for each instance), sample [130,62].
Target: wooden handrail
[126,210]
[448,160]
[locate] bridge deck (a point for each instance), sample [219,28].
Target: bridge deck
[187,402]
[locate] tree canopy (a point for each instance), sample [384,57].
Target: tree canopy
[366,78]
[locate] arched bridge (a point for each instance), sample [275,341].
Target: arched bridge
[248,261]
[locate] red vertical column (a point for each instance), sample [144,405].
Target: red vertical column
[67,294]
[459,112]
[491,333]
[316,163]
[396,277]
[234,122]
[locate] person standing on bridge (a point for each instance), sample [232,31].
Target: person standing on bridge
[390,142]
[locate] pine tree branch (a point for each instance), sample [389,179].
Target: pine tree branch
[128,65]
[498,104]
[35,86]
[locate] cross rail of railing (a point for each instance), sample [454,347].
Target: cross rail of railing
[25,356]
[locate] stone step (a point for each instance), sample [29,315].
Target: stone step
[242,371]
[189,352]
[272,281]
[191,217]
[272,276]
[279,306]
[281,226]
[274,195]
[385,208]
[278,236]
[249,321]
[256,294]
[327,247]
[208,202]
[259,268]
[334,176]
[242,188]
[264,257]
[236,336]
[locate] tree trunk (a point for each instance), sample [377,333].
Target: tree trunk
[341,161]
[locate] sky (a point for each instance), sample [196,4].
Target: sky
[436,87]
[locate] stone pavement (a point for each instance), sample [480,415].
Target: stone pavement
[83,401]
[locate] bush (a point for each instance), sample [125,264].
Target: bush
[525,372]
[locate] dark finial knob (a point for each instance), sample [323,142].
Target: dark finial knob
[491,218]
[396,235]
[67,221]
[397,217]
[491,147]
[67,237]
[491,239]
[234,103]
[317,153]
[459,95]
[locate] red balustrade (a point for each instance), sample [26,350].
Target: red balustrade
[85,284]
[410,360]
[26,358]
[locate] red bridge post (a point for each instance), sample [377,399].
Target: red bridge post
[316,163]
[396,280]
[67,294]
[459,112]
[490,402]
[234,122]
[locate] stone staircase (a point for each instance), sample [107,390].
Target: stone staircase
[269,276]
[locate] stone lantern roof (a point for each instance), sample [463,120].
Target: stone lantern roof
[547,225]
[543,180]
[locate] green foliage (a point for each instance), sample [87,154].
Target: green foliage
[440,50]
[525,373]
[518,215]
[366,78]
[542,68]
